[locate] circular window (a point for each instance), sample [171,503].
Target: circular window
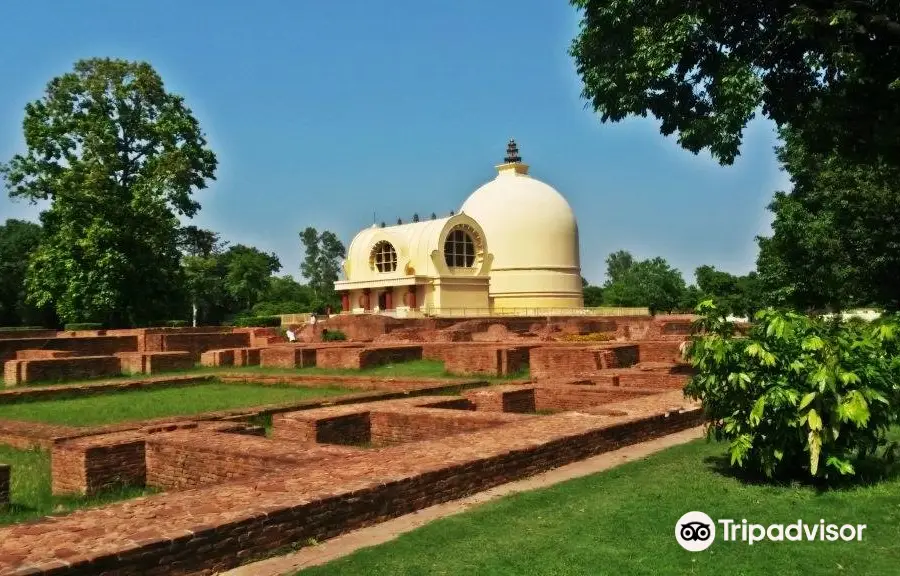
[384,257]
[460,247]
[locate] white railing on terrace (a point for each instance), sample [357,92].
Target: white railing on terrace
[293,319]
[534,312]
[287,319]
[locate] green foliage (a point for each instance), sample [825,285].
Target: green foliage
[72,326]
[175,323]
[118,158]
[284,295]
[333,336]
[651,283]
[593,296]
[19,328]
[738,295]
[321,265]
[18,240]
[835,242]
[194,241]
[617,264]
[830,69]
[257,321]
[799,397]
[247,273]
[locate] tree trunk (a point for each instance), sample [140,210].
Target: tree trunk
[194,314]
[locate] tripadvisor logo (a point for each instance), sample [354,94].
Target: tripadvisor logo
[695,531]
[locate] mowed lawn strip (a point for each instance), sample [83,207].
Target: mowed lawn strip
[410,369]
[159,403]
[622,522]
[30,494]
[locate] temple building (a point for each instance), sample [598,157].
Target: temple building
[513,245]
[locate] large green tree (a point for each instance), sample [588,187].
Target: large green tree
[118,158]
[321,264]
[248,272]
[593,295]
[651,283]
[285,295]
[18,240]
[203,272]
[617,264]
[704,68]
[738,295]
[836,240]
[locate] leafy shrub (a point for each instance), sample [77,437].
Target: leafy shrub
[257,321]
[72,326]
[333,336]
[592,337]
[175,323]
[798,397]
[275,308]
[20,328]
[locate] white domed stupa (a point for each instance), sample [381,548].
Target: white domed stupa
[443,266]
[534,239]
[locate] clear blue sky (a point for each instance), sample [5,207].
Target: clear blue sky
[322,113]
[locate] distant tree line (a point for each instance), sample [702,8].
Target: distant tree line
[654,284]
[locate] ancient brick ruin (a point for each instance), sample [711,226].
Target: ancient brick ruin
[231,492]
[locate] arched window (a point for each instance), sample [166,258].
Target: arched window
[384,257]
[459,249]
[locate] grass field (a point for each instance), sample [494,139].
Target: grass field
[622,522]
[30,488]
[158,403]
[411,369]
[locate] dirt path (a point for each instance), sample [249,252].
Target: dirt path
[386,531]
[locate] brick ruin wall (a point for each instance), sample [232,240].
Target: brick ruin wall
[92,346]
[358,358]
[154,362]
[196,344]
[481,359]
[659,351]
[287,357]
[389,428]
[330,511]
[554,361]
[17,372]
[79,467]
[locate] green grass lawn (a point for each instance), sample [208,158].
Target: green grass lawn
[622,522]
[162,402]
[411,369]
[30,494]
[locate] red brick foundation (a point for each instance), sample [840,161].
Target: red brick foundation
[217,358]
[214,528]
[556,361]
[287,357]
[358,358]
[41,354]
[92,465]
[154,362]
[18,372]
[485,360]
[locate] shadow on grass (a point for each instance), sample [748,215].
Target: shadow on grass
[869,471]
